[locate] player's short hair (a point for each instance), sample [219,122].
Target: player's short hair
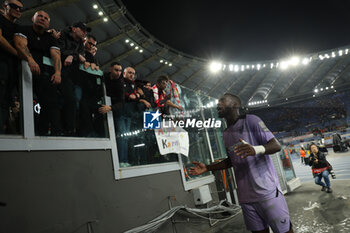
[234,97]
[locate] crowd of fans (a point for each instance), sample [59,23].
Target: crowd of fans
[68,83]
[317,115]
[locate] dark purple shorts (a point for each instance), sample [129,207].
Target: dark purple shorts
[272,213]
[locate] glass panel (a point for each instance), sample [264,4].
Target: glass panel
[71,107]
[199,148]
[10,96]
[287,163]
[215,134]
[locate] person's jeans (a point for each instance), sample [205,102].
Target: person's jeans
[123,126]
[323,175]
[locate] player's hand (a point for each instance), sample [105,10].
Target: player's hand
[68,61]
[34,67]
[198,169]
[104,109]
[56,78]
[243,150]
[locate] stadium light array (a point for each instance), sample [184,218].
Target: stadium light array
[254,103]
[215,66]
[100,12]
[166,62]
[284,64]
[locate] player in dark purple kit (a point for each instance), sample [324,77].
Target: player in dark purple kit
[248,144]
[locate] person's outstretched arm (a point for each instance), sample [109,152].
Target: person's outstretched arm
[201,168]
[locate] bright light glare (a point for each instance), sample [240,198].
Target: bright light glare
[284,65]
[95,6]
[305,61]
[316,90]
[126,41]
[105,19]
[230,67]
[100,13]
[294,61]
[215,66]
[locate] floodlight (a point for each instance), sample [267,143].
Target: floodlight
[215,66]
[141,50]
[230,67]
[95,6]
[305,61]
[284,65]
[294,61]
[127,41]
[100,13]
[105,19]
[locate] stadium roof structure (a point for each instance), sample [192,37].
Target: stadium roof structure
[121,38]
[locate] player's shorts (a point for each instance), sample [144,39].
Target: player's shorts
[272,213]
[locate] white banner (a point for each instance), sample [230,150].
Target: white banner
[172,140]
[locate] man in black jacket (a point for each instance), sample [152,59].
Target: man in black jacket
[8,55]
[320,168]
[72,50]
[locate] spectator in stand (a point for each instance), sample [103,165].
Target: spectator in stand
[174,104]
[72,50]
[115,89]
[34,44]
[162,96]
[159,93]
[114,82]
[8,56]
[90,52]
[146,96]
[88,94]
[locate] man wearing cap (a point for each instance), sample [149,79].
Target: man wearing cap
[72,50]
[11,11]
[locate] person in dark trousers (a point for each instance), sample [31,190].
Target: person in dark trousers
[249,143]
[320,168]
[33,44]
[11,12]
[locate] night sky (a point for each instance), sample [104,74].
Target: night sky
[241,31]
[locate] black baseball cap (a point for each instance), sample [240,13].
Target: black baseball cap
[82,26]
